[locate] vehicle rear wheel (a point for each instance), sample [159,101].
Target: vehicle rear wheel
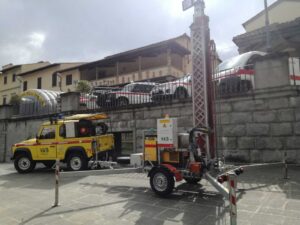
[191,180]
[123,102]
[76,162]
[162,182]
[181,93]
[24,164]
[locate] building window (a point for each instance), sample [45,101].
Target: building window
[69,79]
[39,83]
[14,77]
[54,80]
[5,80]
[4,100]
[25,86]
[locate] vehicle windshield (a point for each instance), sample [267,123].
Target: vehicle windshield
[237,61]
[128,87]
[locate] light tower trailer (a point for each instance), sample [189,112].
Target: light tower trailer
[170,157]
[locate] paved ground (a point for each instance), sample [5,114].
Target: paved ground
[264,198]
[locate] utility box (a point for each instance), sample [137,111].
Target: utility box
[136,159]
[167,133]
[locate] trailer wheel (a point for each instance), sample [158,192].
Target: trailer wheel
[76,162]
[190,180]
[24,164]
[162,182]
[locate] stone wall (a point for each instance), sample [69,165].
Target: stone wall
[257,128]
[136,120]
[262,127]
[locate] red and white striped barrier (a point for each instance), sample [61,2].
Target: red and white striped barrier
[232,185]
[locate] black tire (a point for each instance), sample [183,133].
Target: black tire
[76,162]
[190,180]
[123,101]
[181,93]
[24,164]
[162,182]
[48,164]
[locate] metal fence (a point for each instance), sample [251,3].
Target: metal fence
[294,70]
[234,82]
[139,93]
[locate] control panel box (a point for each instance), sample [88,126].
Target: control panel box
[167,133]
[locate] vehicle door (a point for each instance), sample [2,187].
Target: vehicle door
[46,145]
[141,93]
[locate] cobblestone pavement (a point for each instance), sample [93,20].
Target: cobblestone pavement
[263,198]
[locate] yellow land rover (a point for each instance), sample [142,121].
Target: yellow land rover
[75,140]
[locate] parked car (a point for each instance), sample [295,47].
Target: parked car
[88,100]
[101,93]
[133,93]
[179,89]
[237,73]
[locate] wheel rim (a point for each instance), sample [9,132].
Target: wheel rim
[181,94]
[24,163]
[160,182]
[123,102]
[75,163]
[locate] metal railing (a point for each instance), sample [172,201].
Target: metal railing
[234,82]
[138,94]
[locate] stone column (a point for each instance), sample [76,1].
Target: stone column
[70,101]
[169,61]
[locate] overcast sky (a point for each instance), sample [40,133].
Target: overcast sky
[87,30]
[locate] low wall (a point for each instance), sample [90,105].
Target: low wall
[135,120]
[261,128]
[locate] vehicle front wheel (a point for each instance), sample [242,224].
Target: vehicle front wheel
[123,102]
[76,162]
[181,93]
[162,182]
[24,164]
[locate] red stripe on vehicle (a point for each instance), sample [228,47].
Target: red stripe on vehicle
[130,93]
[150,146]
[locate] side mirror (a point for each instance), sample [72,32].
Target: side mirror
[37,139]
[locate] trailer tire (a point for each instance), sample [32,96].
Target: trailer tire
[192,180]
[23,163]
[76,162]
[162,182]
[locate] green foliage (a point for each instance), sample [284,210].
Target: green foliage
[15,100]
[83,86]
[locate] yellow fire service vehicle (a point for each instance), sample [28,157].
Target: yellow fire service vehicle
[75,140]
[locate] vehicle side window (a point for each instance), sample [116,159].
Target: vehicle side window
[48,133]
[62,130]
[142,88]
